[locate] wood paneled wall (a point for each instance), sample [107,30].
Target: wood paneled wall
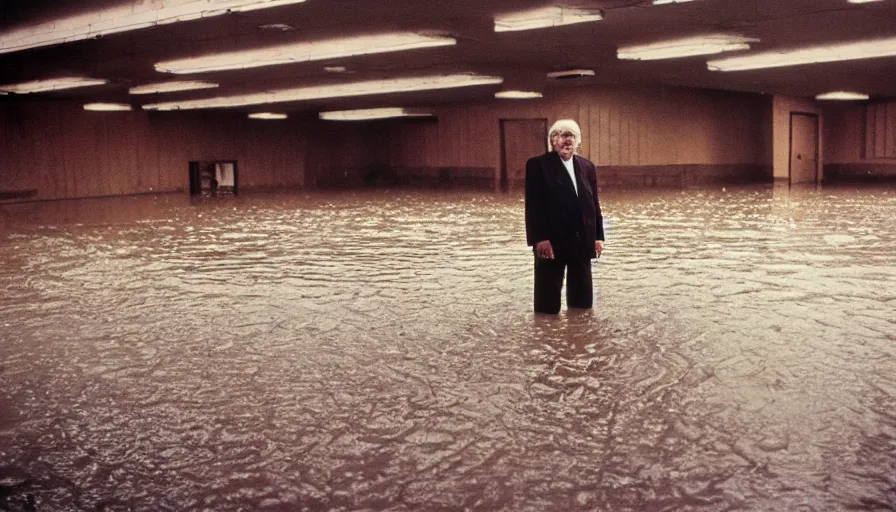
[62,151]
[860,133]
[880,131]
[341,153]
[860,141]
[621,127]
[844,132]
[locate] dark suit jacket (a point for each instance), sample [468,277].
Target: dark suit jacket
[553,212]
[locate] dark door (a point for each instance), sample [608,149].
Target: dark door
[803,148]
[521,139]
[195,178]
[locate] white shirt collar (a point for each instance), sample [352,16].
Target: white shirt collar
[572,173]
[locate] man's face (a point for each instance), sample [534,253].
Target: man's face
[565,144]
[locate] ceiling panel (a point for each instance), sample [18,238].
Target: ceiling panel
[522,58]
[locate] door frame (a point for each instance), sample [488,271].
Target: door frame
[196,169]
[502,184]
[790,145]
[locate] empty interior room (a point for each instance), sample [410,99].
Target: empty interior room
[272,255]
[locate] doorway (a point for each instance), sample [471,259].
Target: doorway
[521,139]
[213,178]
[803,148]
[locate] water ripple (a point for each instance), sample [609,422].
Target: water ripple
[376,351]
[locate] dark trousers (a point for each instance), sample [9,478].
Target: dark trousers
[549,282]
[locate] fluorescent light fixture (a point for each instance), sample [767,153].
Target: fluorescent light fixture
[107,107]
[184,85]
[305,52]
[571,73]
[123,18]
[254,5]
[812,55]
[518,95]
[343,90]
[280,27]
[686,47]
[267,115]
[663,2]
[862,1]
[545,17]
[842,95]
[53,84]
[372,113]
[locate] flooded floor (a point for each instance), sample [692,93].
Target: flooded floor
[376,351]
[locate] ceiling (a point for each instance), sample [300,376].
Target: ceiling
[522,58]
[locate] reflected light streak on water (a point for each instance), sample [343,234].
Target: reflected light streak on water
[376,351]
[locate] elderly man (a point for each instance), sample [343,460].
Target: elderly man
[564,224]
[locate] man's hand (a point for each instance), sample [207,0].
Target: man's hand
[544,250]
[598,247]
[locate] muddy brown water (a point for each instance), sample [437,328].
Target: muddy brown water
[376,350]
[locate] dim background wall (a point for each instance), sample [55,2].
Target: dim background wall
[639,137]
[56,150]
[343,154]
[619,127]
[860,141]
[628,132]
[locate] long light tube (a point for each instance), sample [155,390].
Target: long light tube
[52,84]
[812,55]
[517,95]
[123,18]
[107,107]
[842,95]
[304,52]
[686,47]
[176,86]
[570,73]
[372,113]
[344,90]
[267,115]
[545,17]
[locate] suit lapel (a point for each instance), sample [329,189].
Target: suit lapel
[559,172]
[580,179]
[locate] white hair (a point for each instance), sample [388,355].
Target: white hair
[564,125]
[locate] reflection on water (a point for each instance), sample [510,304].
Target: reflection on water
[376,351]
